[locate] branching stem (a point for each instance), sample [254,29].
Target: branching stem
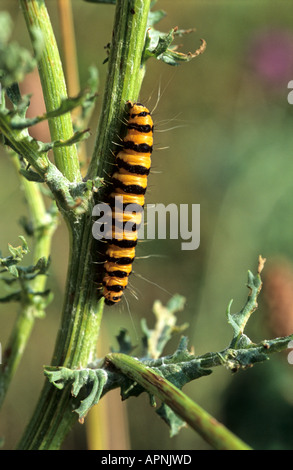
[43,225]
[82,311]
[207,426]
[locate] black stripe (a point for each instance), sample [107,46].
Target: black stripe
[110,302]
[119,261]
[142,114]
[139,148]
[138,169]
[117,273]
[129,188]
[143,128]
[134,207]
[115,288]
[124,243]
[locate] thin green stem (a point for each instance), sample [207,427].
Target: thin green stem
[208,427]
[24,147]
[31,307]
[53,85]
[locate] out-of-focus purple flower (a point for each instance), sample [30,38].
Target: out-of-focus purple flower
[271,56]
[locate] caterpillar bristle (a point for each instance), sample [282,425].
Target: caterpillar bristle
[129,182]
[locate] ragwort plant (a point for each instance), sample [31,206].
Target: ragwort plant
[76,379]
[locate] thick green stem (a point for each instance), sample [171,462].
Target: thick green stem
[53,85]
[43,226]
[201,421]
[75,345]
[76,341]
[124,79]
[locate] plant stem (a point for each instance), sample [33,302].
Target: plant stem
[76,341]
[44,226]
[208,427]
[53,85]
[75,345]
[124,79]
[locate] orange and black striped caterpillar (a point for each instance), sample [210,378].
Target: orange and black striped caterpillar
[129,182]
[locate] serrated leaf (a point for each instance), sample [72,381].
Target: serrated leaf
[158,45]
[239,319]
[96,379]
[171,419]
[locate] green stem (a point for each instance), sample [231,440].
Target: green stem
[208,427]
[53,85]
[82,312]
[124,79]
[31,308]
[75,345]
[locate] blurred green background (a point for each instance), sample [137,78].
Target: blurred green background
[227,126]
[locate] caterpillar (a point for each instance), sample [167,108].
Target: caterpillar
[129,182]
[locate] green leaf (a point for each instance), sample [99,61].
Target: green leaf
[158,44]
[239,319]
[15,61]
[82,378]
[16,255]
[156,339]
[171,419]
[25,248]
[77,137]
[66,106]
[31,176]
[13,93]
[12,269]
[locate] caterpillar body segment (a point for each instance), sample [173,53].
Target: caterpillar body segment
[129,183]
